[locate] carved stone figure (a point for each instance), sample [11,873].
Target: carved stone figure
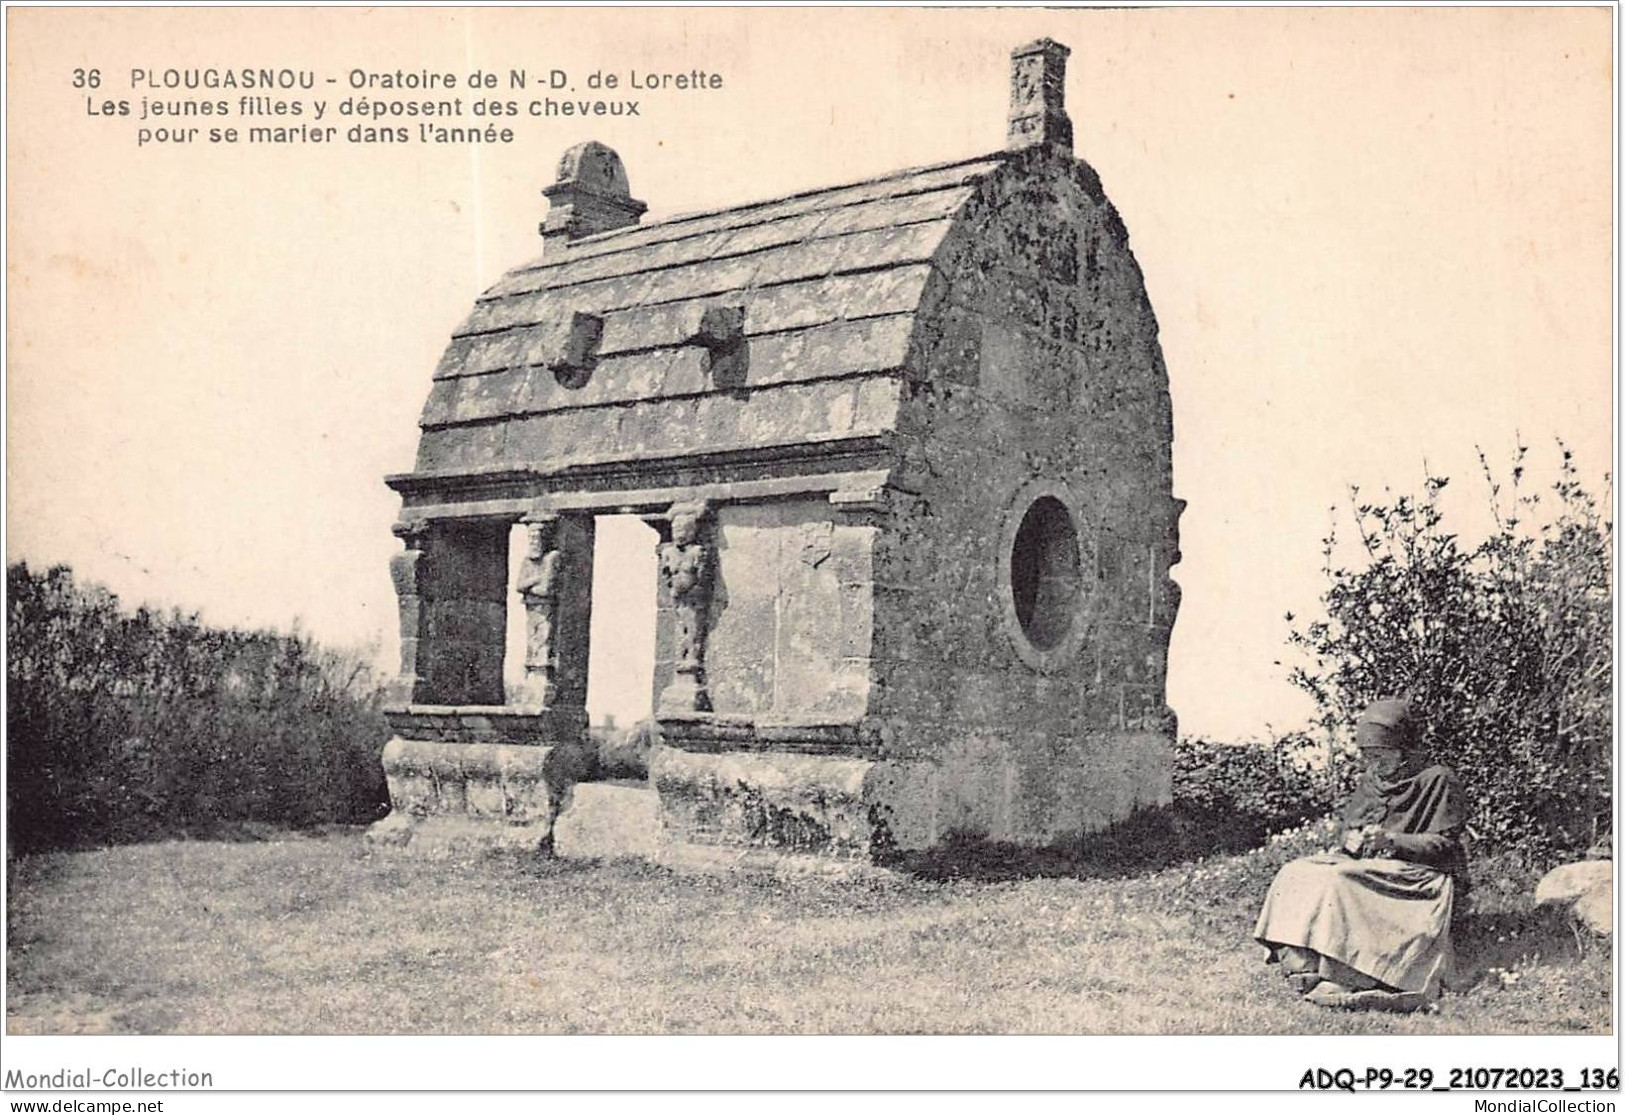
[686,574]
[538,586]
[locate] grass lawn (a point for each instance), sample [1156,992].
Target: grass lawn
[327,934]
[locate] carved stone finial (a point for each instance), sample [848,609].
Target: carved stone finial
[1038,97]
[591,195]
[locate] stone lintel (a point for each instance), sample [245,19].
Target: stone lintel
[655,499]
[632,472]
[711,733]
[510,724]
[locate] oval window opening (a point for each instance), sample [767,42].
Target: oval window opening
[1045,573]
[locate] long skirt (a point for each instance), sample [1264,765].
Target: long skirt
[1387,919]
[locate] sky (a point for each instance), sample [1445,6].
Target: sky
[1375,240]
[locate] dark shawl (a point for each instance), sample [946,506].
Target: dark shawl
[1408,800]
[1402,793]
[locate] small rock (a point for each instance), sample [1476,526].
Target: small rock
[1595,909]
[1587,888]
[1569,882]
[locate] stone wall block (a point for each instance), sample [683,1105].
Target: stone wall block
[665,646]
[971,786]
[470,562]
[853,553]
[484,794]
[1142,707]
[857,620]
[438,672]
[526,793]
[461,672]
[809,637]
[451,787]
[851,809]
[1134,587]
[740,648]
[486,685]
[453,448]
[954,344]
[411,778]
[893,631]
[910,703]
[464,621]
[849,697]
[483,397]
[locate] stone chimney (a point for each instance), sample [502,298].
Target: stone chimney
[591,195]
[1038,97]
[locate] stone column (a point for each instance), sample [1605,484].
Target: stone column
[556,587]
[555,584]
[687,573]
[408,570]
[538,588]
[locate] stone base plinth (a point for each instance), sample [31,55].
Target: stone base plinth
[432,835]
[838,808]
[477,794]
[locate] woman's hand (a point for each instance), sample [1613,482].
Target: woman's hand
[1376,844]
[1367,842]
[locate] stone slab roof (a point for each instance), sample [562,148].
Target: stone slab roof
[829,281]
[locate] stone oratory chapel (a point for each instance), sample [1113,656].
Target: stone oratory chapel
[907,447]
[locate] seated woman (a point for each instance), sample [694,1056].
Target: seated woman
[1368,926]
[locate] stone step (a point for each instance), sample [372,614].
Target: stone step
[609,820]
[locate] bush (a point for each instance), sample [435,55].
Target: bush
[1274,786]
[1506,646]
[127,726]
